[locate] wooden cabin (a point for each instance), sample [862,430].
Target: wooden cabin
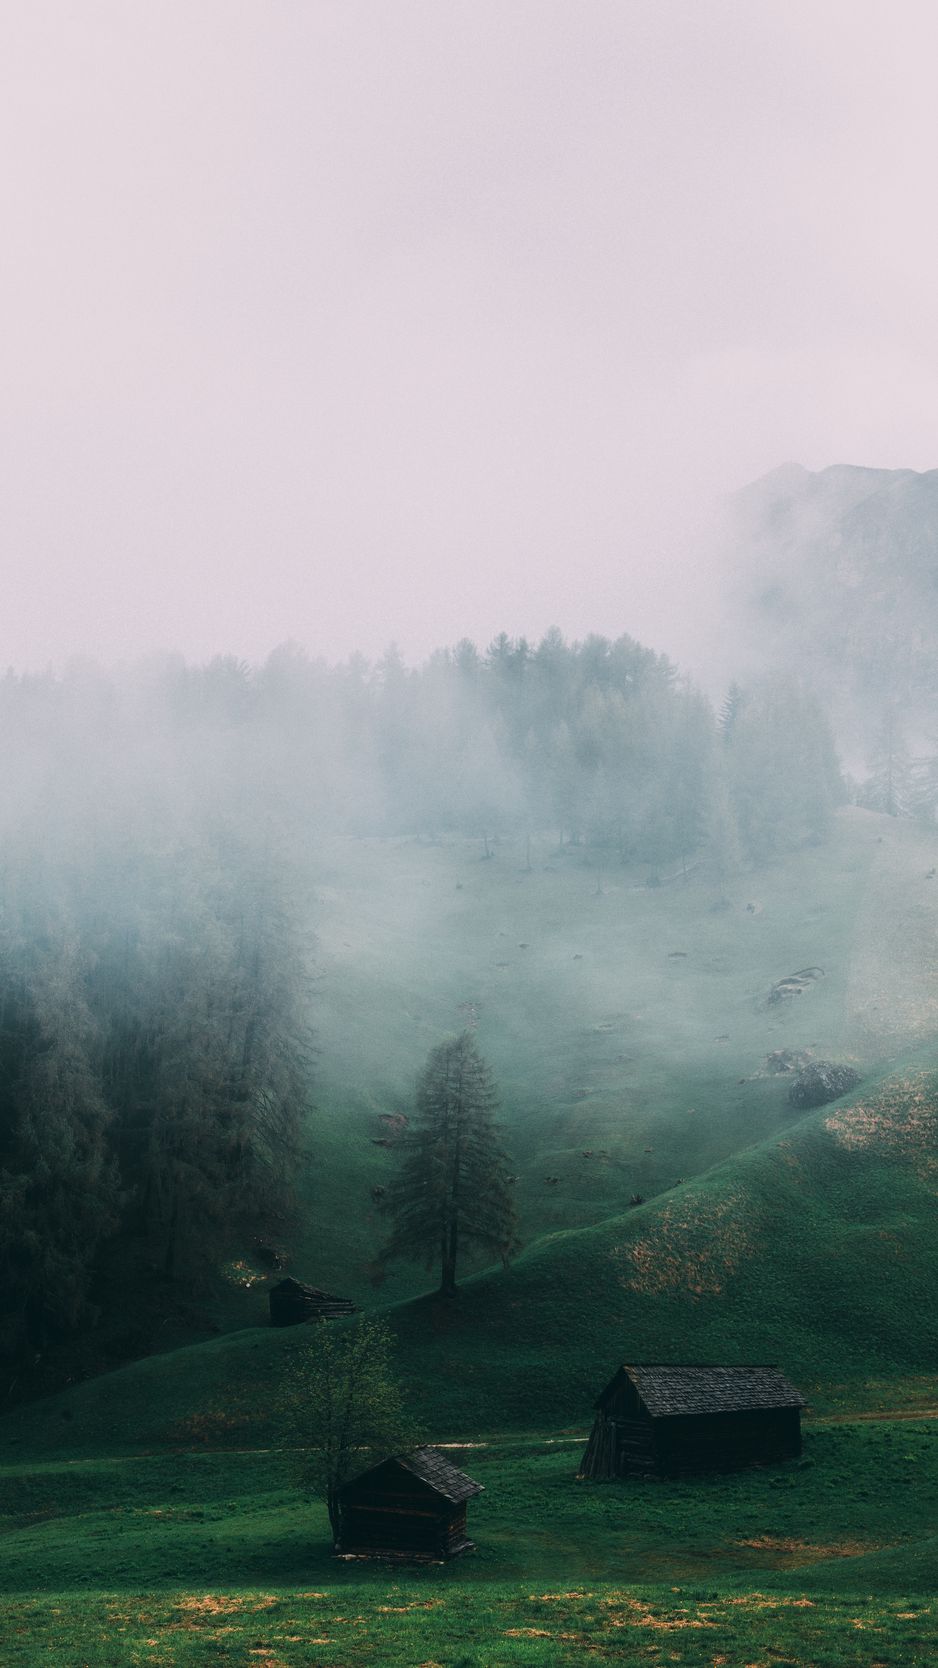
[292,1302]
[412,1506]
[655,1420]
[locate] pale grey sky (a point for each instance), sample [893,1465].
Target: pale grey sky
[360,320]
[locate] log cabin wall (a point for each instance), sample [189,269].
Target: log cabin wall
[373,1527]
[390,1511]
[636,1448]
[727,1441]
[455,1537]
[291,1303]
[628,1439]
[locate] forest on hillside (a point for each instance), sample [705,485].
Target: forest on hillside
[158,848]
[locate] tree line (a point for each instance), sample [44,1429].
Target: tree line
[158,854]
[600,742]
[154,1072]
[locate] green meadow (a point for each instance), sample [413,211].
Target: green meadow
[196,1557]
[154,1515]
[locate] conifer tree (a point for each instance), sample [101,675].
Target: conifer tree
[59,1196]
[453,1189]
[889,787]
[923,794]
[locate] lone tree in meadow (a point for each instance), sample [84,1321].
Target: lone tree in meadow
[453,1189]
[345,1406]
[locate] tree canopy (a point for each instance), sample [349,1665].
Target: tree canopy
[345,1406]
[453,1190]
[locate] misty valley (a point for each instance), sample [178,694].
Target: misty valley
[469,1140]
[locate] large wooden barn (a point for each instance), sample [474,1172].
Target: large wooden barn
[292,1302]
[410,1506]
[655,1420]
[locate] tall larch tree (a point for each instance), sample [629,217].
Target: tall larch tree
[453,1190]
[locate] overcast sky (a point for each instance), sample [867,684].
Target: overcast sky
[414,319]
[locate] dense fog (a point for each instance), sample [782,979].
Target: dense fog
[162,834]
[159,859]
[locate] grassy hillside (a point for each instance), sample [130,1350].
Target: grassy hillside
[626,1024]
[153,1514]
[817,1248]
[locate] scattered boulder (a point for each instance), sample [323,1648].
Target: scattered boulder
[821,1081]
[794,985]
[787,1059]
[637,1199]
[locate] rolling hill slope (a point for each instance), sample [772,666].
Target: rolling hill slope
[626,1024]
[817,1248]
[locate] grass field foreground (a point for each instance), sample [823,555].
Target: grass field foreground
[216,1557]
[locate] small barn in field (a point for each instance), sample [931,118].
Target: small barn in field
[292,1302]
[657,1420]
[410,1506]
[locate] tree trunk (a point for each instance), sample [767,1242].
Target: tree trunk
[451,1229]
[450,1245]
[335,1521]
[169,1260]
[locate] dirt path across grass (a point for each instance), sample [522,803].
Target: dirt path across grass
[893,1414]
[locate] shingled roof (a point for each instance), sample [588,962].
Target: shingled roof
[671,1390]
[434,1468]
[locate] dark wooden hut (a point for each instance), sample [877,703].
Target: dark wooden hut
[663,1420]
[292,1302]
[410,1506]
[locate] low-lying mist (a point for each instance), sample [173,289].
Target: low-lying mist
[241,903]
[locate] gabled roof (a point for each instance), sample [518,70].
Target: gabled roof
[687,1388]
[432,1468]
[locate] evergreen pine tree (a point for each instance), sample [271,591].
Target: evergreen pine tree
[924,788]
[729,711]
[889,787]
[453,1188]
